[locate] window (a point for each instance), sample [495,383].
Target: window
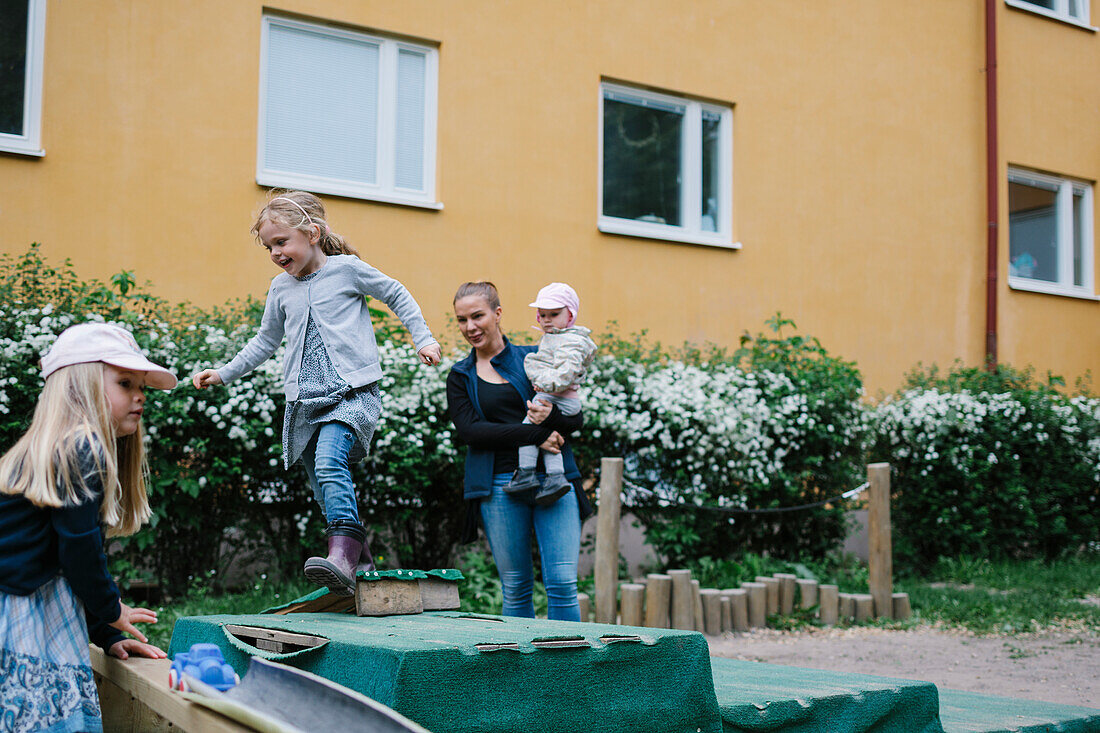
[1050,240]
[1072,11]
[346,113]
[666,167]
[22,35]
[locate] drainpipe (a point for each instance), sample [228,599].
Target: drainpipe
[992,179]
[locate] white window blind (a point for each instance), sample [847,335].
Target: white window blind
[346,113]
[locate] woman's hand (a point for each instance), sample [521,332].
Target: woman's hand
[123,649]
[127,617]
[554,443]
[431,354]
[538,410]
[206,378]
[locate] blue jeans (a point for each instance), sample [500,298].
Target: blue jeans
[508,523]
[329,471]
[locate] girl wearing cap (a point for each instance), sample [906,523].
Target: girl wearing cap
[488,397]
[79,469]
[565,352]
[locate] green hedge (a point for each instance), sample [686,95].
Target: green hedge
[984,464]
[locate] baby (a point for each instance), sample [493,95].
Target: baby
[564,353]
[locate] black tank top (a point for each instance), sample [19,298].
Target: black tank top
[502,403]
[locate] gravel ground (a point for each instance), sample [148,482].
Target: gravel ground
[1061,667]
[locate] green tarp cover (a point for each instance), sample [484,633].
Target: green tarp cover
[973,712]
[444,574]
[753,696]
[453,671]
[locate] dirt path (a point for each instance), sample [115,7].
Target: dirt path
[1057,667]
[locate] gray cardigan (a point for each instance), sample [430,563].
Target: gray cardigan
[335,297]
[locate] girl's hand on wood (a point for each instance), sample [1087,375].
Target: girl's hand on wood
[431,354]
[127,617]
[206,378]
[554,443]
[537,411]
[123,649]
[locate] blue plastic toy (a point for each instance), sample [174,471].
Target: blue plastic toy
[203,662]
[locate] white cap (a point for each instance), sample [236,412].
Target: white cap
[89,342]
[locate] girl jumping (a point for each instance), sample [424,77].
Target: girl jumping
[80,465]
[331,369]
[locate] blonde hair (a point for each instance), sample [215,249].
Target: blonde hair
[483,289]
[45,464]
[302,210]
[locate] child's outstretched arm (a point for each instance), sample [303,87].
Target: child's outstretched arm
[259,348]
[398,299]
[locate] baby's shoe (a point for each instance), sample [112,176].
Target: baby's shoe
[523,480]
[554,486]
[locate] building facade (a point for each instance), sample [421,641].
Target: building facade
[691,168]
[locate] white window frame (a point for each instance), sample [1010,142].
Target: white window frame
[385,189]
[30,142]
[1060,12]
[691,143]
[1065,189]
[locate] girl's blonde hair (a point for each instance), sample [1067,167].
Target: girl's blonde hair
[73,415]
[302,210]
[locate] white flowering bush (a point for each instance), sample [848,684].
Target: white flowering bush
[989,464]
[776,424]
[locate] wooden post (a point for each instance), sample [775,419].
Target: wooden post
[657,589]
[683,600]
[711,601]
[727,612]
[902,610]
[607,538]
[633,599]
[865,606]
[880,560]
[847,606]
[757,604]
[739,609]
[586,606]
[807,593]
[786,592]
[696,606]
[773,592]
[828,609]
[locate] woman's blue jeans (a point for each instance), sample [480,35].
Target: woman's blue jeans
[329,471]
[508,523]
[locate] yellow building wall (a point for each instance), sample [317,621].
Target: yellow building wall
[1050,82]
[858,159]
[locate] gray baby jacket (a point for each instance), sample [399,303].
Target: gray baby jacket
[562,359]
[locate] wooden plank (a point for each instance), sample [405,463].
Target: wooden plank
[683,600]
[329,603]
[387,597]
[880,561]
[145,683]
[437,594]
[657,590]
[606,568]
[275,640]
